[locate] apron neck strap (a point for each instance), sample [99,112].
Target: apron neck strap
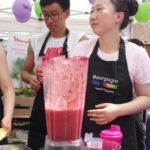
[44,44]
[120,72]
[65,47]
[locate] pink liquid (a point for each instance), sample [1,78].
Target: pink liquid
[64,124]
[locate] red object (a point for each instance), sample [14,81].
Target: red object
[113,134]
[64,125]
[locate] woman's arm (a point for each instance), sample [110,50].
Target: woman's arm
[141,102]
[7,90]
[105,113]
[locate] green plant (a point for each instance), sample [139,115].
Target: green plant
[17,67]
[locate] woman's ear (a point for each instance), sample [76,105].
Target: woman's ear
[119,17]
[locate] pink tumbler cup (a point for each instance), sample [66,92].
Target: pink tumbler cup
[113,134]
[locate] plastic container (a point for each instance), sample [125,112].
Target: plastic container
[99,144]
[113,134]
[94,144]
[64,82]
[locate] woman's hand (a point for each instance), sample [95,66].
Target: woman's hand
[104,113]
[7,124]
[35,84]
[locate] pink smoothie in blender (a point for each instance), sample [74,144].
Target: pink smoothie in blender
[64,82]
[63,120]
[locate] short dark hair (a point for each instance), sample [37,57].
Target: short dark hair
[65,4]
[128,7]
[136,41]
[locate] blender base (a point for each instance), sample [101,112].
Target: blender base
[66,145]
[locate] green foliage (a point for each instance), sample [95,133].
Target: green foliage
[16,73]
[17,67]
[25,90]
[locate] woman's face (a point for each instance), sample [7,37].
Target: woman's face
[54,16]
[103,18]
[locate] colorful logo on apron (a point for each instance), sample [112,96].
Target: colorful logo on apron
[104,84]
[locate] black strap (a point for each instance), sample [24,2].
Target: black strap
[96,48]
[65,47]
[120,72]
[44,44]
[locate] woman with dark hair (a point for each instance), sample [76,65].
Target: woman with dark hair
[8,101]
[58,41]
[114,73]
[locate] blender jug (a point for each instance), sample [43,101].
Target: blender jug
[64,82]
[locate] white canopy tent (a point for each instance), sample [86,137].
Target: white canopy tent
[77,21]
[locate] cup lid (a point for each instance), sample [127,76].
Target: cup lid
[113,131]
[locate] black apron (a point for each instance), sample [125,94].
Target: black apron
[109,82]
[38,130]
